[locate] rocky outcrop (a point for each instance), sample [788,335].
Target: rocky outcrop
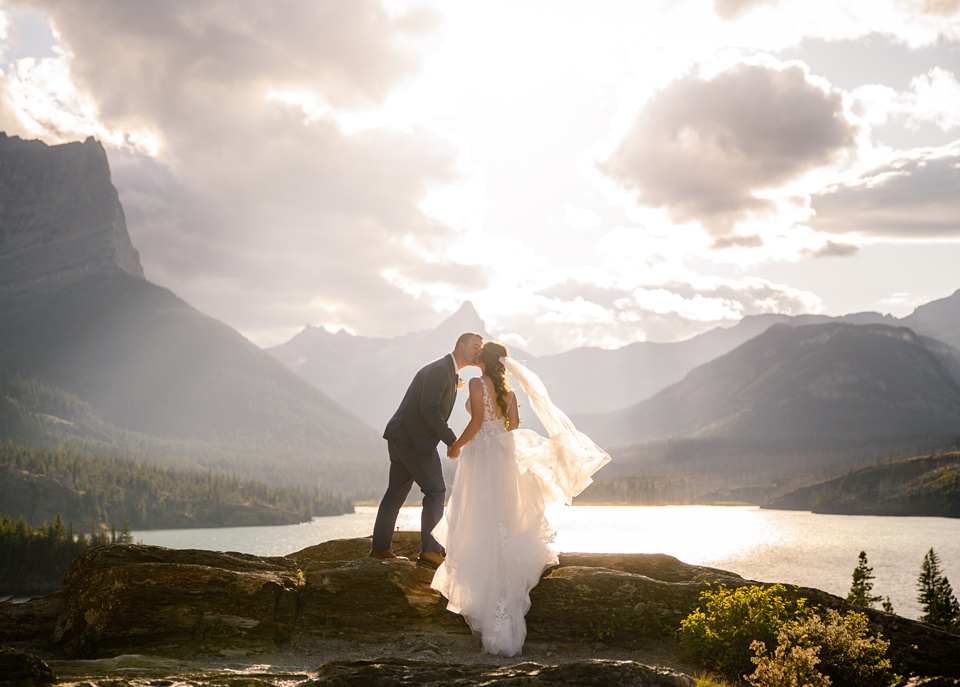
[60,216]
[20,668]
[331,600]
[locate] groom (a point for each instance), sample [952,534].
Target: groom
[412,435]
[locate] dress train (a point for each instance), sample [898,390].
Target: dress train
[495,530]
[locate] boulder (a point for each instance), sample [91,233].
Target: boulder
[19,668]
[135,598]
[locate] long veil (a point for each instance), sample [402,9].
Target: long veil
[567,458]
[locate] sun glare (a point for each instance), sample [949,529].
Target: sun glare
[693,534]
[697,535]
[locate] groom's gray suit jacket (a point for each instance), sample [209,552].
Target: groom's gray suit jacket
[421,420]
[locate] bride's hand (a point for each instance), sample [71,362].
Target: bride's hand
[453,452]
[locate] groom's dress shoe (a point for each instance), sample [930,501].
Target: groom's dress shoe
[430,559]
[382,555]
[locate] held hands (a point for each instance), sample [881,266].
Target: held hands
[453,451]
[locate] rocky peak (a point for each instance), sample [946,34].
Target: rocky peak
[465,319]
[60,215]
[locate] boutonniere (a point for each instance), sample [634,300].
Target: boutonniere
[459,383]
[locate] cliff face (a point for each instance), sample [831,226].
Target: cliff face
[60,216]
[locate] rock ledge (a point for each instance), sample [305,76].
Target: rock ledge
[329,604]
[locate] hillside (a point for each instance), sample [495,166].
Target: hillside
[145,362]
[596,380]
[830,382]
[38,484]
[925,486]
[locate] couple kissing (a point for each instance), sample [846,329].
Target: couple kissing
[493,542]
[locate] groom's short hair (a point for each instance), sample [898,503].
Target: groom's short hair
[466,336]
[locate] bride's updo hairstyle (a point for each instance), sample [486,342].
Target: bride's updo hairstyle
[490,356]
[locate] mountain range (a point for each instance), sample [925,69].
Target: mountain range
[94,355]
[773,399]
[833,381]
[82,332]
[368,375]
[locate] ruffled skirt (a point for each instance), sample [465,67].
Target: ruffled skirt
[497,537]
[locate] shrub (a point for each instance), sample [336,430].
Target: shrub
[720,637]
[850,655]
[788,666]
[793,646]
[841,644]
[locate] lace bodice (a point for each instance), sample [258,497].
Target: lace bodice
[491,423]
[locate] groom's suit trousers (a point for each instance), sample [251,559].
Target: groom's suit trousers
[407,465]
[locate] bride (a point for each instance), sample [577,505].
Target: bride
[494,529]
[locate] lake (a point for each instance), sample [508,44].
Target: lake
[793,547]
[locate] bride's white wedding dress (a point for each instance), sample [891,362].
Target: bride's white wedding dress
[494,529]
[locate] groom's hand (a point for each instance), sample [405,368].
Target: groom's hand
[453,453]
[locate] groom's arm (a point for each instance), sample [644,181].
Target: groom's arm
[436,383]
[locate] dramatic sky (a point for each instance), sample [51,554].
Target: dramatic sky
[586,173]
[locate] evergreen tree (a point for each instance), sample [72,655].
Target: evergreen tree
[888,605]
[862,584]
[935,595]
[59,531]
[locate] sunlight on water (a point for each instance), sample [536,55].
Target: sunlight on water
[793,547]
[691,533]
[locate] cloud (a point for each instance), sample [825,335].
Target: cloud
[703,148]
[351,51]
[731,241]
[582,313]
[832,249]
[732,9]
[945,8]
[251,208]
[936,99]
[914,196]
[931,98]
[316,221]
